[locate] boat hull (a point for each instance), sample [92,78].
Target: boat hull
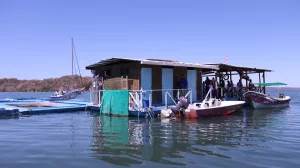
[259,100]
[67,96]
[214,111]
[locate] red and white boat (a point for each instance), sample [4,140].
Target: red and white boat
[208,108]
[260,100]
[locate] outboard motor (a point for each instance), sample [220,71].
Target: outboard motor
[181,106]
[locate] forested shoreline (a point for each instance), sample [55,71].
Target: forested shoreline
[45,85]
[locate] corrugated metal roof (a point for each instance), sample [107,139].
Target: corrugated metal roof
[226,67]
[152,62]
[179,64]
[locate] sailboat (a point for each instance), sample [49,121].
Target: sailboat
[260,100]
[64,94]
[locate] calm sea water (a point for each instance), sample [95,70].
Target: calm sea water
[248,138]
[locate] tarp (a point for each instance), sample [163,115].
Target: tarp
[271,84]
[115,102]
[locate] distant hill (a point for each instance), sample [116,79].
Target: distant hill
[45,85]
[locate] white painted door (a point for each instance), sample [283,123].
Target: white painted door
[146,80]
[167,83]
[192,83]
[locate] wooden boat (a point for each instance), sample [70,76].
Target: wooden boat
[208,108]
[260,100]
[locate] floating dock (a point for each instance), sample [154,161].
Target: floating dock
[35,106]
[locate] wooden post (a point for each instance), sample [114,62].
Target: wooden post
[216,85]
[259,82]
[102,83]
[264,80]
[230,76]
[127,82]
[121,83]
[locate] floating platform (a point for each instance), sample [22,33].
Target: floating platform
[8,111]
[35,106]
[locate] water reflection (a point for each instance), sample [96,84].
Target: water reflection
[125,141]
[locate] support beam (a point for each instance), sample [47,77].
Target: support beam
[259,82]
[264,80]
[247,85]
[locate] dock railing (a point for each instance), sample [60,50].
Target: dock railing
[187,93]
[144,99]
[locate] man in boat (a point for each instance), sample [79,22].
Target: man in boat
[251,85]
[56,93]
[207,82]
[214,87]
[239,87]
[183,84]
[221,88]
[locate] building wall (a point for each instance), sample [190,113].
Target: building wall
[156,83]
[112,84]
[113,80]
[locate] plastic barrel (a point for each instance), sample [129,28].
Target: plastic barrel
[145,103]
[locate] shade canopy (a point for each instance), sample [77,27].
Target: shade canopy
[271,84]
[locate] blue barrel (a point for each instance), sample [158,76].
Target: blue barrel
[145,103]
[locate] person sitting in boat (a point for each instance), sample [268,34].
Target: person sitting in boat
[56,93]
[60,93]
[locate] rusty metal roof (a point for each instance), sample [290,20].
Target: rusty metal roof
[151,62]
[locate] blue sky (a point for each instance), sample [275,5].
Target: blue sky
[35,35]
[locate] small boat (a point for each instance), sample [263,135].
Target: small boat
[63,95]
[260,100]
[208,108]
[66,95]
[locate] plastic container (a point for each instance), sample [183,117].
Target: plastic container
[145,103]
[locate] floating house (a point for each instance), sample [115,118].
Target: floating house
[159,81]
[156,75]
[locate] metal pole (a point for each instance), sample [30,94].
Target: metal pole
[166,100]
[264,80]
[259,83]
[191,97]
[72,57]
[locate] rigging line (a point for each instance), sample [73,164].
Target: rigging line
[77,64]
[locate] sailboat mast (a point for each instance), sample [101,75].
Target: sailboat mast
[72,57]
